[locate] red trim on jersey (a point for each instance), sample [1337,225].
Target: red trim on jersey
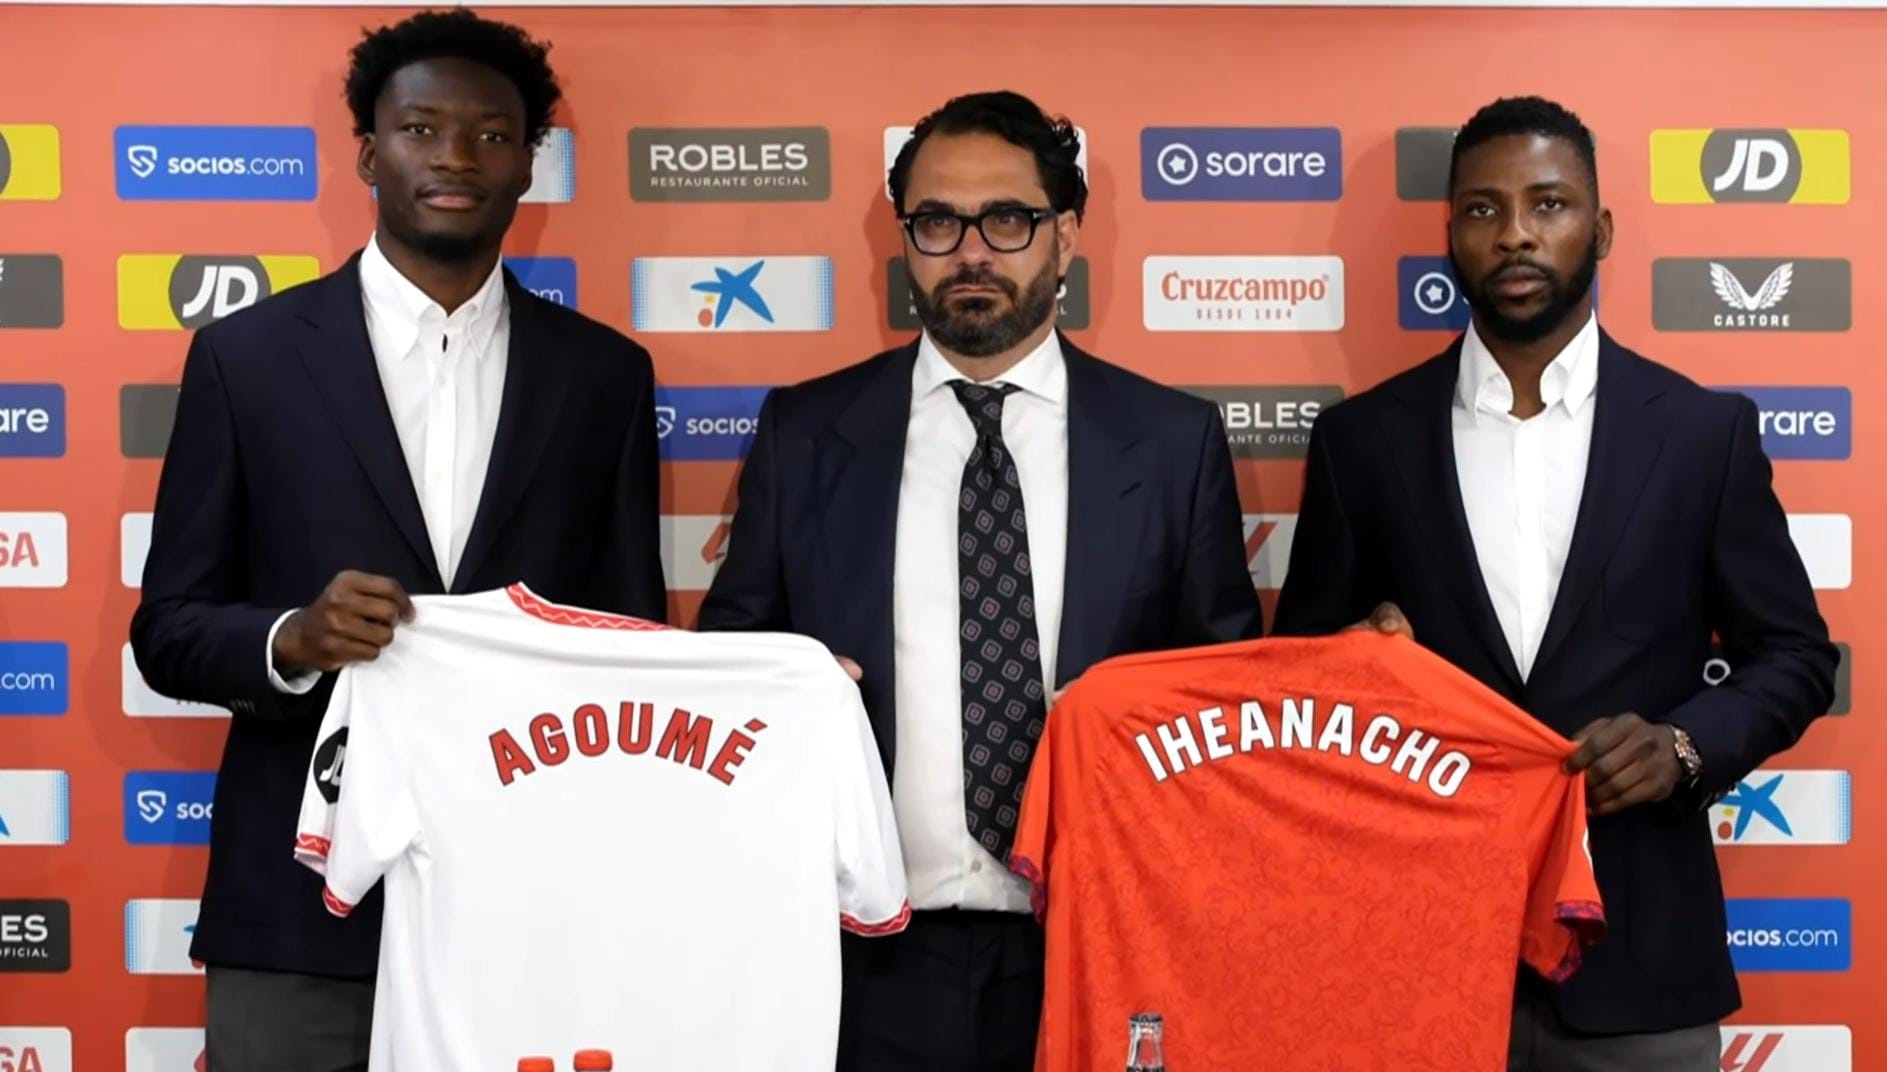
[335,905]
[1586,921]
[875,930]
[312,845]
[538,607]
[1038,885]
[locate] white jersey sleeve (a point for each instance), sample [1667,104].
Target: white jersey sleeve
[870,860]
[357,815]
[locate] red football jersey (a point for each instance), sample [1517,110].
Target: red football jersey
[1307,855]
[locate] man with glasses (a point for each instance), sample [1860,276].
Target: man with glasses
[970,521]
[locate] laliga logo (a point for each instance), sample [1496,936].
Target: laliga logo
[143,160]
[151,804]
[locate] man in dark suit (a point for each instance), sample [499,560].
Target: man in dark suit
[416,422]
[1570,523]
[882,511]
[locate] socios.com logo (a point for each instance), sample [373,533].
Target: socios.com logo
[29,162]
[219,163]
[1241,163]
[1802,167]
[1790,934]
[173,291]
[168,807]
[707,423]
[553,279]
[34,676]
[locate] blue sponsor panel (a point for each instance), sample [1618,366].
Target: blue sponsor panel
[215,163]
[1803,423]
[1241,163]
[168,807]
[1791,934]
[695,424]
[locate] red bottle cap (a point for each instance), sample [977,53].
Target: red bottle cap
[594,1061]
[536,1064]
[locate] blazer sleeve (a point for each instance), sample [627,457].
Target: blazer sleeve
[1762,606]
[1218,602]
[629,576]
[749,590]
[1322,591]
[193,635]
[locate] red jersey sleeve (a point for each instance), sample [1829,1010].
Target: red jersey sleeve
[1564,914]
[1035,834]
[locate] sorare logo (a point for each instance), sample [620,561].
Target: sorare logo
[699,424]
[32,420]
[1241,163]
[1791,934]
[215,163]
[1786,807]
[1431,298]
[34,677]
[35,807]
[1800,167]
[553,279]
[1803,423]
[168,807]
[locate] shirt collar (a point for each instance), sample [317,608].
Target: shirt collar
[1042,373]
[401,308]
[1570,379]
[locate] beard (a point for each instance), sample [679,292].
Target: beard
[974,327]
[1563,294]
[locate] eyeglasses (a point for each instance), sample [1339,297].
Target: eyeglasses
[1004,230]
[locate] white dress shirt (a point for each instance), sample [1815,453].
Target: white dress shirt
[444,379]
[1521,481]
[944,865]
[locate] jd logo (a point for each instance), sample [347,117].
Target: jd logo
[1752,165]
[328,761]
[203,290]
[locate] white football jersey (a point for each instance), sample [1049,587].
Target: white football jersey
[600,833]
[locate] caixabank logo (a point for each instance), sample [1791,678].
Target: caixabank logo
[215,163]
[29,162]
[714,294]
[35,808]
[186,291]
[1798,167]
[157,936]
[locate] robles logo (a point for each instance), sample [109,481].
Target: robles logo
[1243,293]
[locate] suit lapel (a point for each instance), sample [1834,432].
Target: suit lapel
[1423,445]
[858,466]
[535,387]
[1106,474]
[338,355]
[1626,439]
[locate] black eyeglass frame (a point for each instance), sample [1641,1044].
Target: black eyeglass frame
[967,220]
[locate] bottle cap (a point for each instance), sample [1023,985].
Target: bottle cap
[536,1064]
[594,1061]
[1144,1018]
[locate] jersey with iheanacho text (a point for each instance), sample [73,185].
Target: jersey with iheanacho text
[1307,855]
[597,832]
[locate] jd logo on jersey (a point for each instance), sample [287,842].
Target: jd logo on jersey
[29,162]
[1801,167]
[167,291]
[329,760]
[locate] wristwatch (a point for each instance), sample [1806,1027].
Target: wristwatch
[1687,756]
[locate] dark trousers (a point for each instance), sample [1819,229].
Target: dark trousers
[282,1022]
[955,992]
[1541,1042]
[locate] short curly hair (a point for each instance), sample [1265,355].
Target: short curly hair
[1020,122]
[1525,115]
[456,34]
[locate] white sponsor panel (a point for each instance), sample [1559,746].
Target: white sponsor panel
[734,293]
[164,1049]
[1786,807]
[1242,293]
[1268,547]
[157,937]
[32,550]
[35,808]
[142,701]
[895,137]
[1826,544]
[553,169]
[1817,1048]
[35,1049]
[134,545]
[693,546]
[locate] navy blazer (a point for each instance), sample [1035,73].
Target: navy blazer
[1679,535]
[1156,555]
[284,469]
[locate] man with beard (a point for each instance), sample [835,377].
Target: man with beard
[415,422]
[971,520]
[1570,523]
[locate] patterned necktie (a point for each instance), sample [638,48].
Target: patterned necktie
[1003,702]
